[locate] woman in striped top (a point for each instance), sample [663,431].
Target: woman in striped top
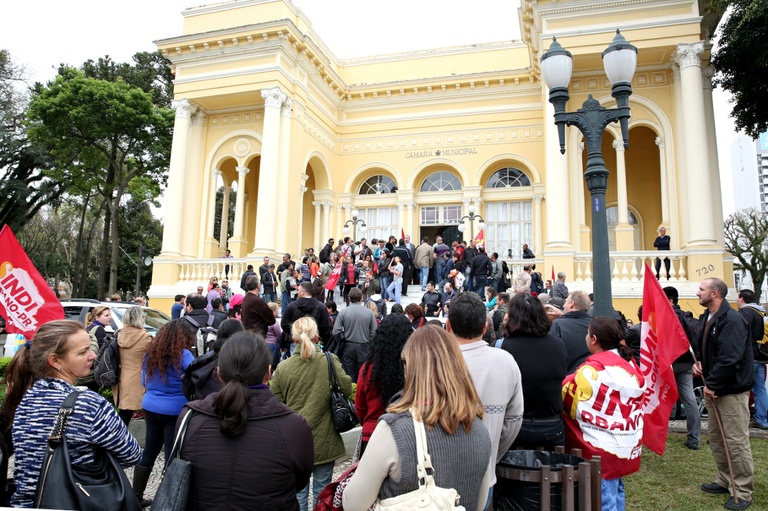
[40,377]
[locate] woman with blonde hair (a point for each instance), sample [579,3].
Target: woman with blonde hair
[302,383]
[438,392]
[133,341]
[98,318]
[40,377]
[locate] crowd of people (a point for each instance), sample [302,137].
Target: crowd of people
[488,361]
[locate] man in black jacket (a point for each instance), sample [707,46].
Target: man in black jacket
[305,305]
[754,315]
[572,327]
[481,268]
[683,369]
[325,253]
[248,272]
[727,368]
[406,261]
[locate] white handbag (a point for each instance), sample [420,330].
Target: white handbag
[429,496]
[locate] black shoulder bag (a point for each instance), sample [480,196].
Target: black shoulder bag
[173,491]
[97,486]
[342,409]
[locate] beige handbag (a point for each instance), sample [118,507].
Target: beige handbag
[429,496]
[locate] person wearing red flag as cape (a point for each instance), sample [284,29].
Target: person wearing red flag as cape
[662,340]
[333,280]
[26,300]
[602,408]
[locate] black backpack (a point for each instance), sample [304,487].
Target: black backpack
[107,372]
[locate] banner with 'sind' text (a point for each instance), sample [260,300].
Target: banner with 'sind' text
[661,342]
[26,300]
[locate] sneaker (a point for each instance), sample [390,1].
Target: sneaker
[713,488]
[741,504]
[756,425]
[692,446]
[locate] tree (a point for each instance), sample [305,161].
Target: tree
[24,188]
[139,228]
[230,217]
[741,62]
[106,136]
[746,238]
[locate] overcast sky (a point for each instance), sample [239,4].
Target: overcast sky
[40,34]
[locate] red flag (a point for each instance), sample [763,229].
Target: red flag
[334,278]
[480,238]
[661,342]
[553,273]
[26,300]
[402,234]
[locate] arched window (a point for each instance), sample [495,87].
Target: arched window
[612,213]
[508,177]
[441,181]
[377,184]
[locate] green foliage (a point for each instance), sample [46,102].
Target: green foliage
[107,394]
[24,188]
[230,218]
[741,61]
[746,238]
[139,228]
[4,361]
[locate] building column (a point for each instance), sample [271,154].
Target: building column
[316,234]
[625,240]
[174,201]
[683,201]
[663,178]
[327,213]
[714,166]
[697,168]
[538,237]
[283,200]
[409,224]
[195,186]
[400,216]
[558,229]
[265,231]
[237,244]
[224,227]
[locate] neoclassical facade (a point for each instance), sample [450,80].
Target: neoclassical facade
[297,139]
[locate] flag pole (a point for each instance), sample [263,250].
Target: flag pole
[722,432]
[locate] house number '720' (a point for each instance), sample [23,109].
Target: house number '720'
[704,270]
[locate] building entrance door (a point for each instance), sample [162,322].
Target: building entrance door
[450,233]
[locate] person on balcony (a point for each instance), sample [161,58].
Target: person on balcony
[662,243]
[527,252]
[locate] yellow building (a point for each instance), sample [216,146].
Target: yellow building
[298,139]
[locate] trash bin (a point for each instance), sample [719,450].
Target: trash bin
[522,475]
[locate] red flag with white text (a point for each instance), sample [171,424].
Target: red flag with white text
[661,342]
[480,238]
[333,280]
[26,299]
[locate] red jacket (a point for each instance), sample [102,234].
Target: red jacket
[368,403]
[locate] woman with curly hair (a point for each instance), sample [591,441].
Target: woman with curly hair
[381,377]
[415,313]
[168,356]
[542,358]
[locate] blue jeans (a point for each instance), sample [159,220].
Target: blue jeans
[285,299]
[761,396]
[384,283]
[395,289]
[468,280]
[321,476]
[480,283]
[684,381]
[270,297]
[424,274]
[613,494]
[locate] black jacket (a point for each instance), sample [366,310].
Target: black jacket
[262,468]
[405,256]
[726,352]
[754,324]
[245,276]
[685,361]
[325,253]
[200,379]
[307,307]
[481,265]
[572,328]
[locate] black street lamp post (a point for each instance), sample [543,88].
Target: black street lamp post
[619,61]
[354,222]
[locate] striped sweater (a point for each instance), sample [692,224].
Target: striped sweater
[93,423]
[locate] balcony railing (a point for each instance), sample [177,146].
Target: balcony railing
[630,266]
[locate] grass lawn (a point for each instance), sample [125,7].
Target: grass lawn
[672,481]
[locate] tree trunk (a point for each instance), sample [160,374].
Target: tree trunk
[78,253]
[103,254]
[115,246]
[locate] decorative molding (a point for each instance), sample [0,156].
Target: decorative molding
[303,190]
[317,205]
[538,197]
[242,146]
[273,98]
[227,189]
[659,142]
[688,54]
[184,109]
[580,147]
[216,173]
[198,118]
[243,171]
[287,107]
[706,77]
[618,146]
[234,118]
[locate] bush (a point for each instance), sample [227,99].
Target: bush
[4,364]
